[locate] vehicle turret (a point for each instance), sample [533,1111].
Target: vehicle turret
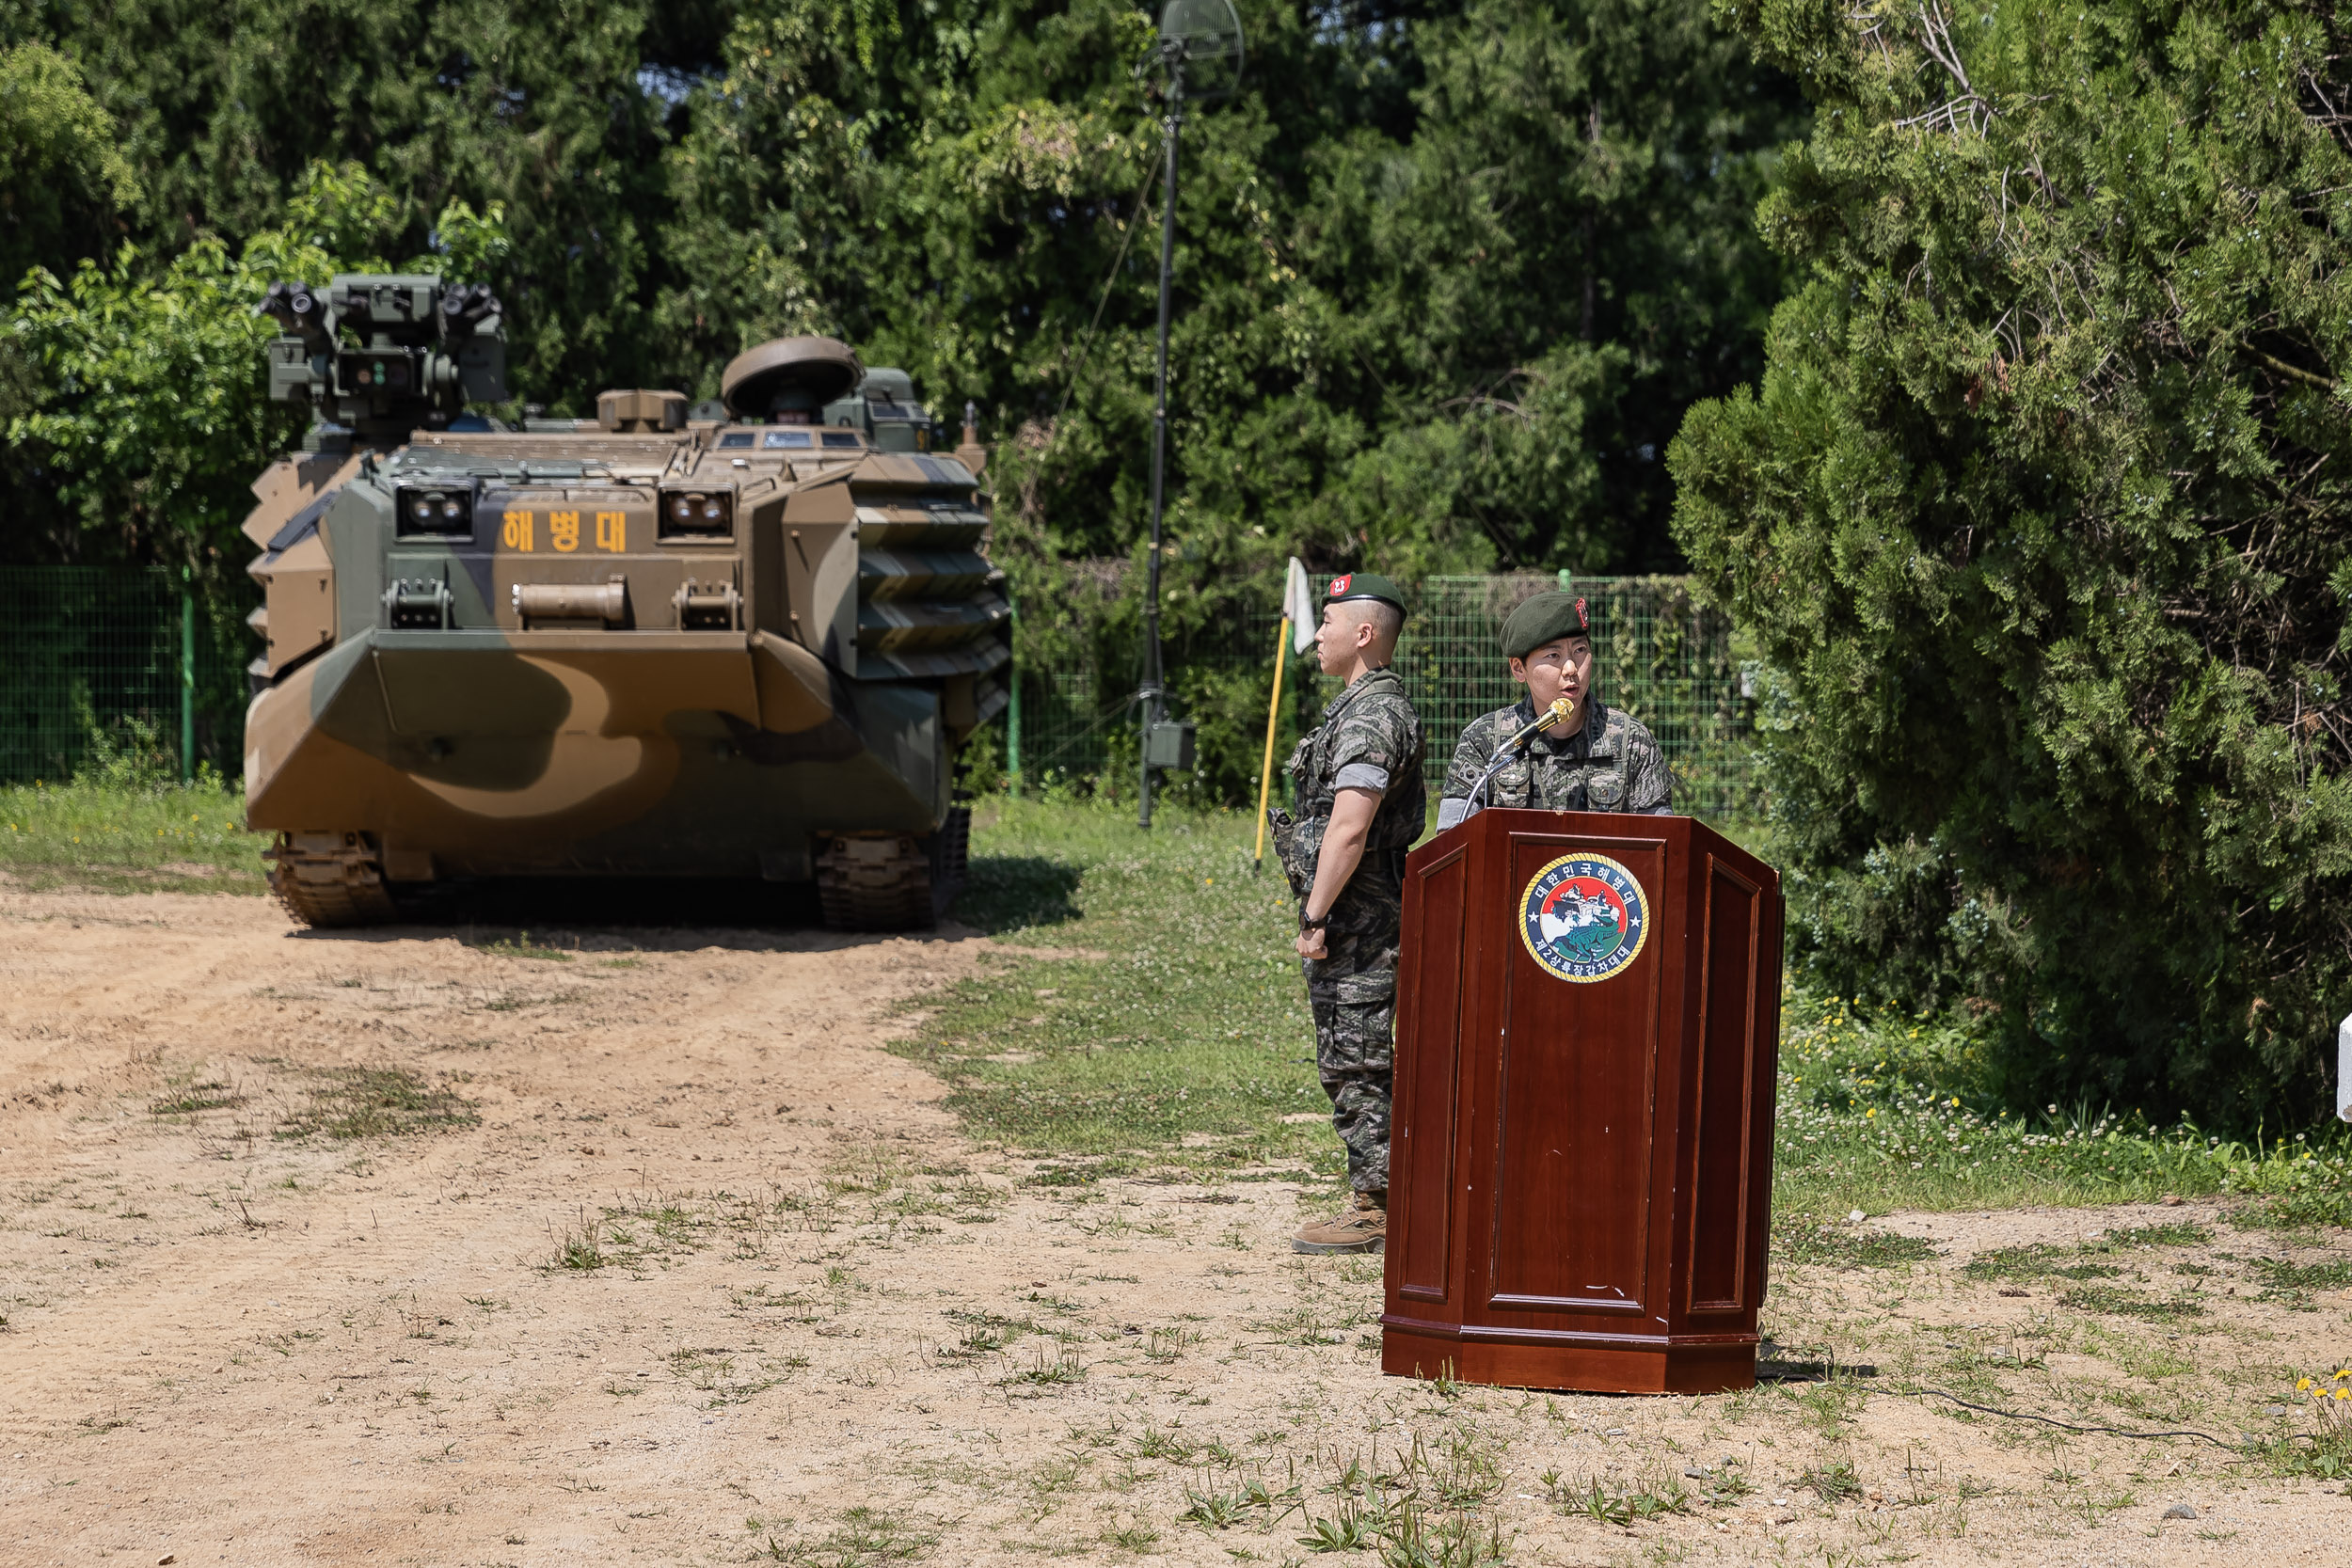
[381,356]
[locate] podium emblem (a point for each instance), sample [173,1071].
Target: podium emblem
[1583,918]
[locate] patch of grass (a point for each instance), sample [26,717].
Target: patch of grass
[1184,1014]
[2117,1302]
[1212,1507]
[1835,1482]
[1073,1176]
[864,1538]
[2186,1233]
[519,945]
[130,834]
[376,1102]
[1882,1110]
[194,1097]
[1589,1498]
[1046,1369]
[2038,1261]
[2316,1193]
[2080,1260]
[1015,892]
[1413,1537]
[582,1250]
[2294,1283]
[1162,1024]
[1837,1246]
[1172,1446]
[984,1334]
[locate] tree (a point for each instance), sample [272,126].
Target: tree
[153,411]
[1447,274]
[559,113]
[61,186]
[63,180]
[2041,518]
[1446,277]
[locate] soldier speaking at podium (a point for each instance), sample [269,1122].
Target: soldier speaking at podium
[1560,747]
[1358,788]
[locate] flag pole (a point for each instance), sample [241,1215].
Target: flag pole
[1273,711]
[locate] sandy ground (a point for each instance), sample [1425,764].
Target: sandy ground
[823,1328]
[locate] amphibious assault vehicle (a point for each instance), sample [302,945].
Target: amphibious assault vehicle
[637,645]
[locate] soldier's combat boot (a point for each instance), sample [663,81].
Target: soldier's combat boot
[1362,1227]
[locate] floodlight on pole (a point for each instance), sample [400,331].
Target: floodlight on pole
[1200,48]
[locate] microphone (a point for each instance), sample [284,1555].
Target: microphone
[1550,717]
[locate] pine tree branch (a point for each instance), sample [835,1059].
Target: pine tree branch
[2293,372]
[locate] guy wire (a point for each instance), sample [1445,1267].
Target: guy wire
[1085,344]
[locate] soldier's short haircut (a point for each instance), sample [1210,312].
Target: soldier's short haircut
[1386,621]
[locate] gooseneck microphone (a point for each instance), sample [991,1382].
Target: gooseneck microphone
[1552,716]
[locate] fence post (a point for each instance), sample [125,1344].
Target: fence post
[1012,705]
[187,679]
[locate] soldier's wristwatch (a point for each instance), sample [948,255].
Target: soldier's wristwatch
[1306,925]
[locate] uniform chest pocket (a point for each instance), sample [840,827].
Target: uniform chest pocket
[1606,791]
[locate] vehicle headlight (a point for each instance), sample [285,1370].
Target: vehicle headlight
[697,513]
[439,512]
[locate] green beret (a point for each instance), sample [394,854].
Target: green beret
[1365,585]
[1546,617]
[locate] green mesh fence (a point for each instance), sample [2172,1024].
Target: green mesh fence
[94,667]
[1655,654]
[1660,657]
[96,661]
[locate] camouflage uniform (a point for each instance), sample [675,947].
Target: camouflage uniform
[1370,738]
[1611,764]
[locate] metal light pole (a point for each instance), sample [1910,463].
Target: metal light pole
[1152,695]
[1205,34]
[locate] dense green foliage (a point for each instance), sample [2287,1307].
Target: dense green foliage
[1447,274]
[147,442]
[2042,516]
[63,178]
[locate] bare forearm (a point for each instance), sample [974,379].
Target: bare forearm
[1343,851]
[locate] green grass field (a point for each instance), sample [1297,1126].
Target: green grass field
[129,838]
[1163,1022]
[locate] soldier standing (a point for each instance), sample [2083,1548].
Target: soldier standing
[1357,782]
[1596,759]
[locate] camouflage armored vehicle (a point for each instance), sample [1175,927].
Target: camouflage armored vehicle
[634,645]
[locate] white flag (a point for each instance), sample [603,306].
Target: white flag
[2344,1069]
[1298,603]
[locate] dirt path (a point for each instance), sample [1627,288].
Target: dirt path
[654,1254]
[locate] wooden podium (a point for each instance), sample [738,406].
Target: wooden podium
[1581,1156]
